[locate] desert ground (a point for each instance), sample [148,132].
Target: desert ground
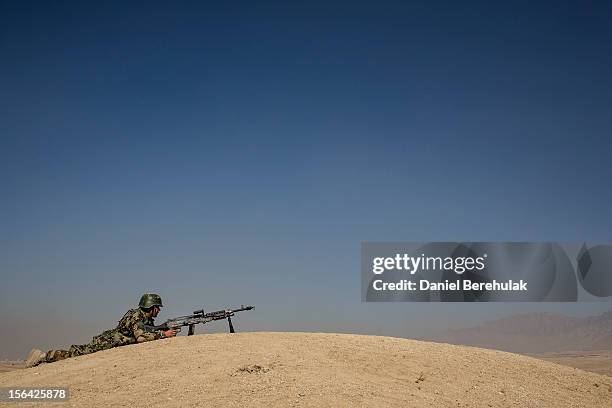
[312,370]
[11,365]
[595,361]
[580,342]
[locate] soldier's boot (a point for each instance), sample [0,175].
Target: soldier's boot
[35,357]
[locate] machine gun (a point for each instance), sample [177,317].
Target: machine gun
[198,317]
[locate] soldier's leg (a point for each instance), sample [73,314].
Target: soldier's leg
[56,355]
[74,351]
[81,350]
[101,342]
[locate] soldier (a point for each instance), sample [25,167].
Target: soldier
[130,330]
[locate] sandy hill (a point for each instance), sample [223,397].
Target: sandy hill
[313,370]
[537,333]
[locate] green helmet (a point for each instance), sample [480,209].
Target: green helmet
[149,300]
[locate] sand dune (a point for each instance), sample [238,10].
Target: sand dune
[313,370]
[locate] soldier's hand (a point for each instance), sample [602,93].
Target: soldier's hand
[170,333]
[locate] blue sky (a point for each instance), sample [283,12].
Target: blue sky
[240,153]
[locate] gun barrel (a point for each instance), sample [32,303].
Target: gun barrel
[240,309]
[198,317]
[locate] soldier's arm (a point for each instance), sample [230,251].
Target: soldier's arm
[141,335]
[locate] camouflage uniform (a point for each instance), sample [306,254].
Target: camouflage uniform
[130,330]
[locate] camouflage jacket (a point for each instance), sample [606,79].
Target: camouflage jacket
[132,325]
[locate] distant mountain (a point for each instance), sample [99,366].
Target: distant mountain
[536,333]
